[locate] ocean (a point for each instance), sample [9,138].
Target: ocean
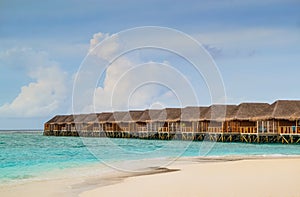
[28,155]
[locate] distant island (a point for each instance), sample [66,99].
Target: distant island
[246,122]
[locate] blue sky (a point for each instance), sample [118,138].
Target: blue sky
[255,44]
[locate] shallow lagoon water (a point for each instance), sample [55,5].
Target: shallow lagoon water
[26,155]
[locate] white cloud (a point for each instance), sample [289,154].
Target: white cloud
[42,96]
[129,83]
[110,49]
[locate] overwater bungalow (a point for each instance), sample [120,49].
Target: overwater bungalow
[103,119]
[217,118]
[246,122]
[56,125]
[114,122]
[79,120]
[285,116]
[150,120]
[133,120]
[246,118]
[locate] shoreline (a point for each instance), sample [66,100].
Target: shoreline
[91,182]
[256,176]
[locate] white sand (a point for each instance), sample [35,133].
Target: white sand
[255,177]
[268,177]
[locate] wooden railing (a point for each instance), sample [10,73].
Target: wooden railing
[241,129]
[288,129]
[214,129]
[143,129]
[252,129]
[163,129]
[186,129]
[126,129]
[109,129]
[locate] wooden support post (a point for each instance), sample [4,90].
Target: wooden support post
[244,138]
[222,129]
[283,139]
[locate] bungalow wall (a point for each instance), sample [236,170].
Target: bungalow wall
[215,127]
[46,127]
[139,126]
[286,126]
[231,126]
[123,126]
[156,126]
[186,126]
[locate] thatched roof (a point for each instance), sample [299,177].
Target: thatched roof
[132,116]
[52,120]
[161,115]
[69,119]
[150,115]
[296,116]
[284,109]
[59,119]
[251,111]
[79,118]
[104,116]
[117,116]
[220,112]
[193,113]
[91,118]
[170,114]
[281,109]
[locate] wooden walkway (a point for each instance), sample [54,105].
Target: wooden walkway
[285,138]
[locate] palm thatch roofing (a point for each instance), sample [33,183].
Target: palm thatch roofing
[58,119]
[295,116]
[170,115]
[193,113]
[104,116]
[220,112]
[150,115]
[69,119]
[116,117]
[132,116]
[284,109]
[251,111]
[173,114]
[161,115]
[281,110]
[91,118]
[79,118]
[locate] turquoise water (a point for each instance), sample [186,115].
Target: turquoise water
[26,155]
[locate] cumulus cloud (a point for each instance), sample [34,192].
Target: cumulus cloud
[129,82]
[47,91]
[106,52]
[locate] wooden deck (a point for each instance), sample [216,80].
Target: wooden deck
[163,133]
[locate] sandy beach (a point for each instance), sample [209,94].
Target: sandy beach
[255,176]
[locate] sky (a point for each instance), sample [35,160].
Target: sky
[255,47]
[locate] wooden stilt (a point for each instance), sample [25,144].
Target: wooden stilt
[285,140]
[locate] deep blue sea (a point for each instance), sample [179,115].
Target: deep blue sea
[25,155]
